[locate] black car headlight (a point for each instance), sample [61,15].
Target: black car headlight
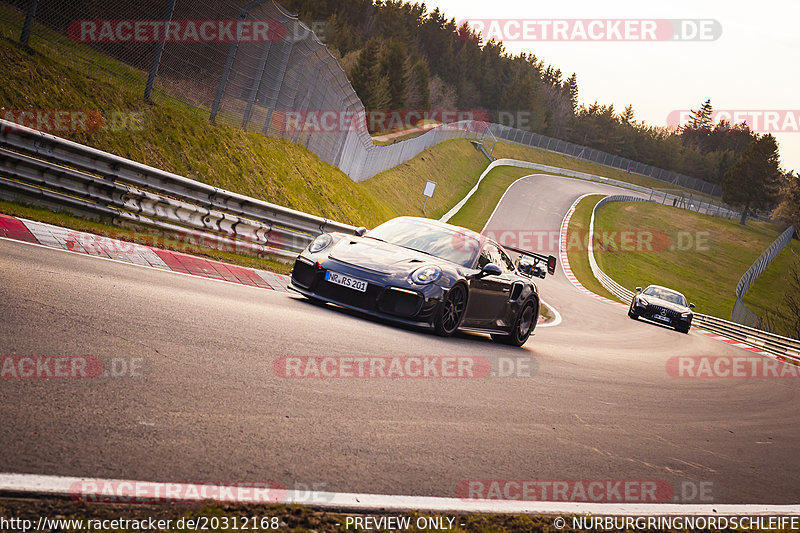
[427,274]
[642,302]
[320,243]
[687,314]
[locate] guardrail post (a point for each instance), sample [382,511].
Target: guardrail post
[28,24]
[151,77]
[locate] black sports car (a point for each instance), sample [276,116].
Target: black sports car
[662,305]
[426,273]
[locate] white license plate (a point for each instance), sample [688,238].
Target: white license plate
[662,318]
[346,281]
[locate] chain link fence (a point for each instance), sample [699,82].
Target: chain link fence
[257,67]
[597,156]
[698,204]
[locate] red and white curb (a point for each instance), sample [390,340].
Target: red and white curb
[21,229]
[123,491]
[562,252]
[574,280]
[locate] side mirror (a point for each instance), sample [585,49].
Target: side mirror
[638,289]
[361,231]
[691,306]
[489,270]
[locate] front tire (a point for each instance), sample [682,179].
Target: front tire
[451,311]
[523,326]
[632,314]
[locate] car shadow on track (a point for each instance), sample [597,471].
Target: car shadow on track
[467,336]
[657,324]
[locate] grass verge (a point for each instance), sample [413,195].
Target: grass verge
[476,212]
[768,292]
[454,165]
[546,157]
[699,255]
[290,518]
[577,255]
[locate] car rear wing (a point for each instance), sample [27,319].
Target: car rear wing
[532,268]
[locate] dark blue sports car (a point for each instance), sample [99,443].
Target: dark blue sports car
[426,273]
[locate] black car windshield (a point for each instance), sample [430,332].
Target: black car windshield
[454,246]
[665,294]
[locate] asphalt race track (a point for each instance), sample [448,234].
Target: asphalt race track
[598,405]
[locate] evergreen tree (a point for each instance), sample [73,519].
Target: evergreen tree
[701,119]
[366,75]
[572,89]
[752,183]
[419,96]
[788,209]
[628,116]
[393,68]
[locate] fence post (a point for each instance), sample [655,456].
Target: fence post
[151,77]
[28,24]
[284,50]
[262,62]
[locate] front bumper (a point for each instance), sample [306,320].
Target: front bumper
[672,319]
[387,296]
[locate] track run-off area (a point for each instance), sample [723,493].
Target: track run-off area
[596,399]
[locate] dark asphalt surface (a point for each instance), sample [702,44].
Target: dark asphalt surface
[599,405]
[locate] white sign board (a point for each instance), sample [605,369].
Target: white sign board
[430,186]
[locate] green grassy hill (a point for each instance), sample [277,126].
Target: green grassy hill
[699,255]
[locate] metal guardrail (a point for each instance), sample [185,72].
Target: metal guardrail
[65,175]
[721,212]
[741,313]
[769,342]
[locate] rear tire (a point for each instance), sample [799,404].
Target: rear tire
[451,311]
[523,326]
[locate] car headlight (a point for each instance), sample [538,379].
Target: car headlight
[320,243]
[687,314]
[425,275]
[642,302]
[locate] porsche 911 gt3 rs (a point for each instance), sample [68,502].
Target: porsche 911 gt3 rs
[426,273]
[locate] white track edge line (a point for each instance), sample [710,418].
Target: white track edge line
[62,486]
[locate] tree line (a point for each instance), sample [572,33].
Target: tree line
[398,55]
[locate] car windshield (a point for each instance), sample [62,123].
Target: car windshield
[454,246]
[665,294]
